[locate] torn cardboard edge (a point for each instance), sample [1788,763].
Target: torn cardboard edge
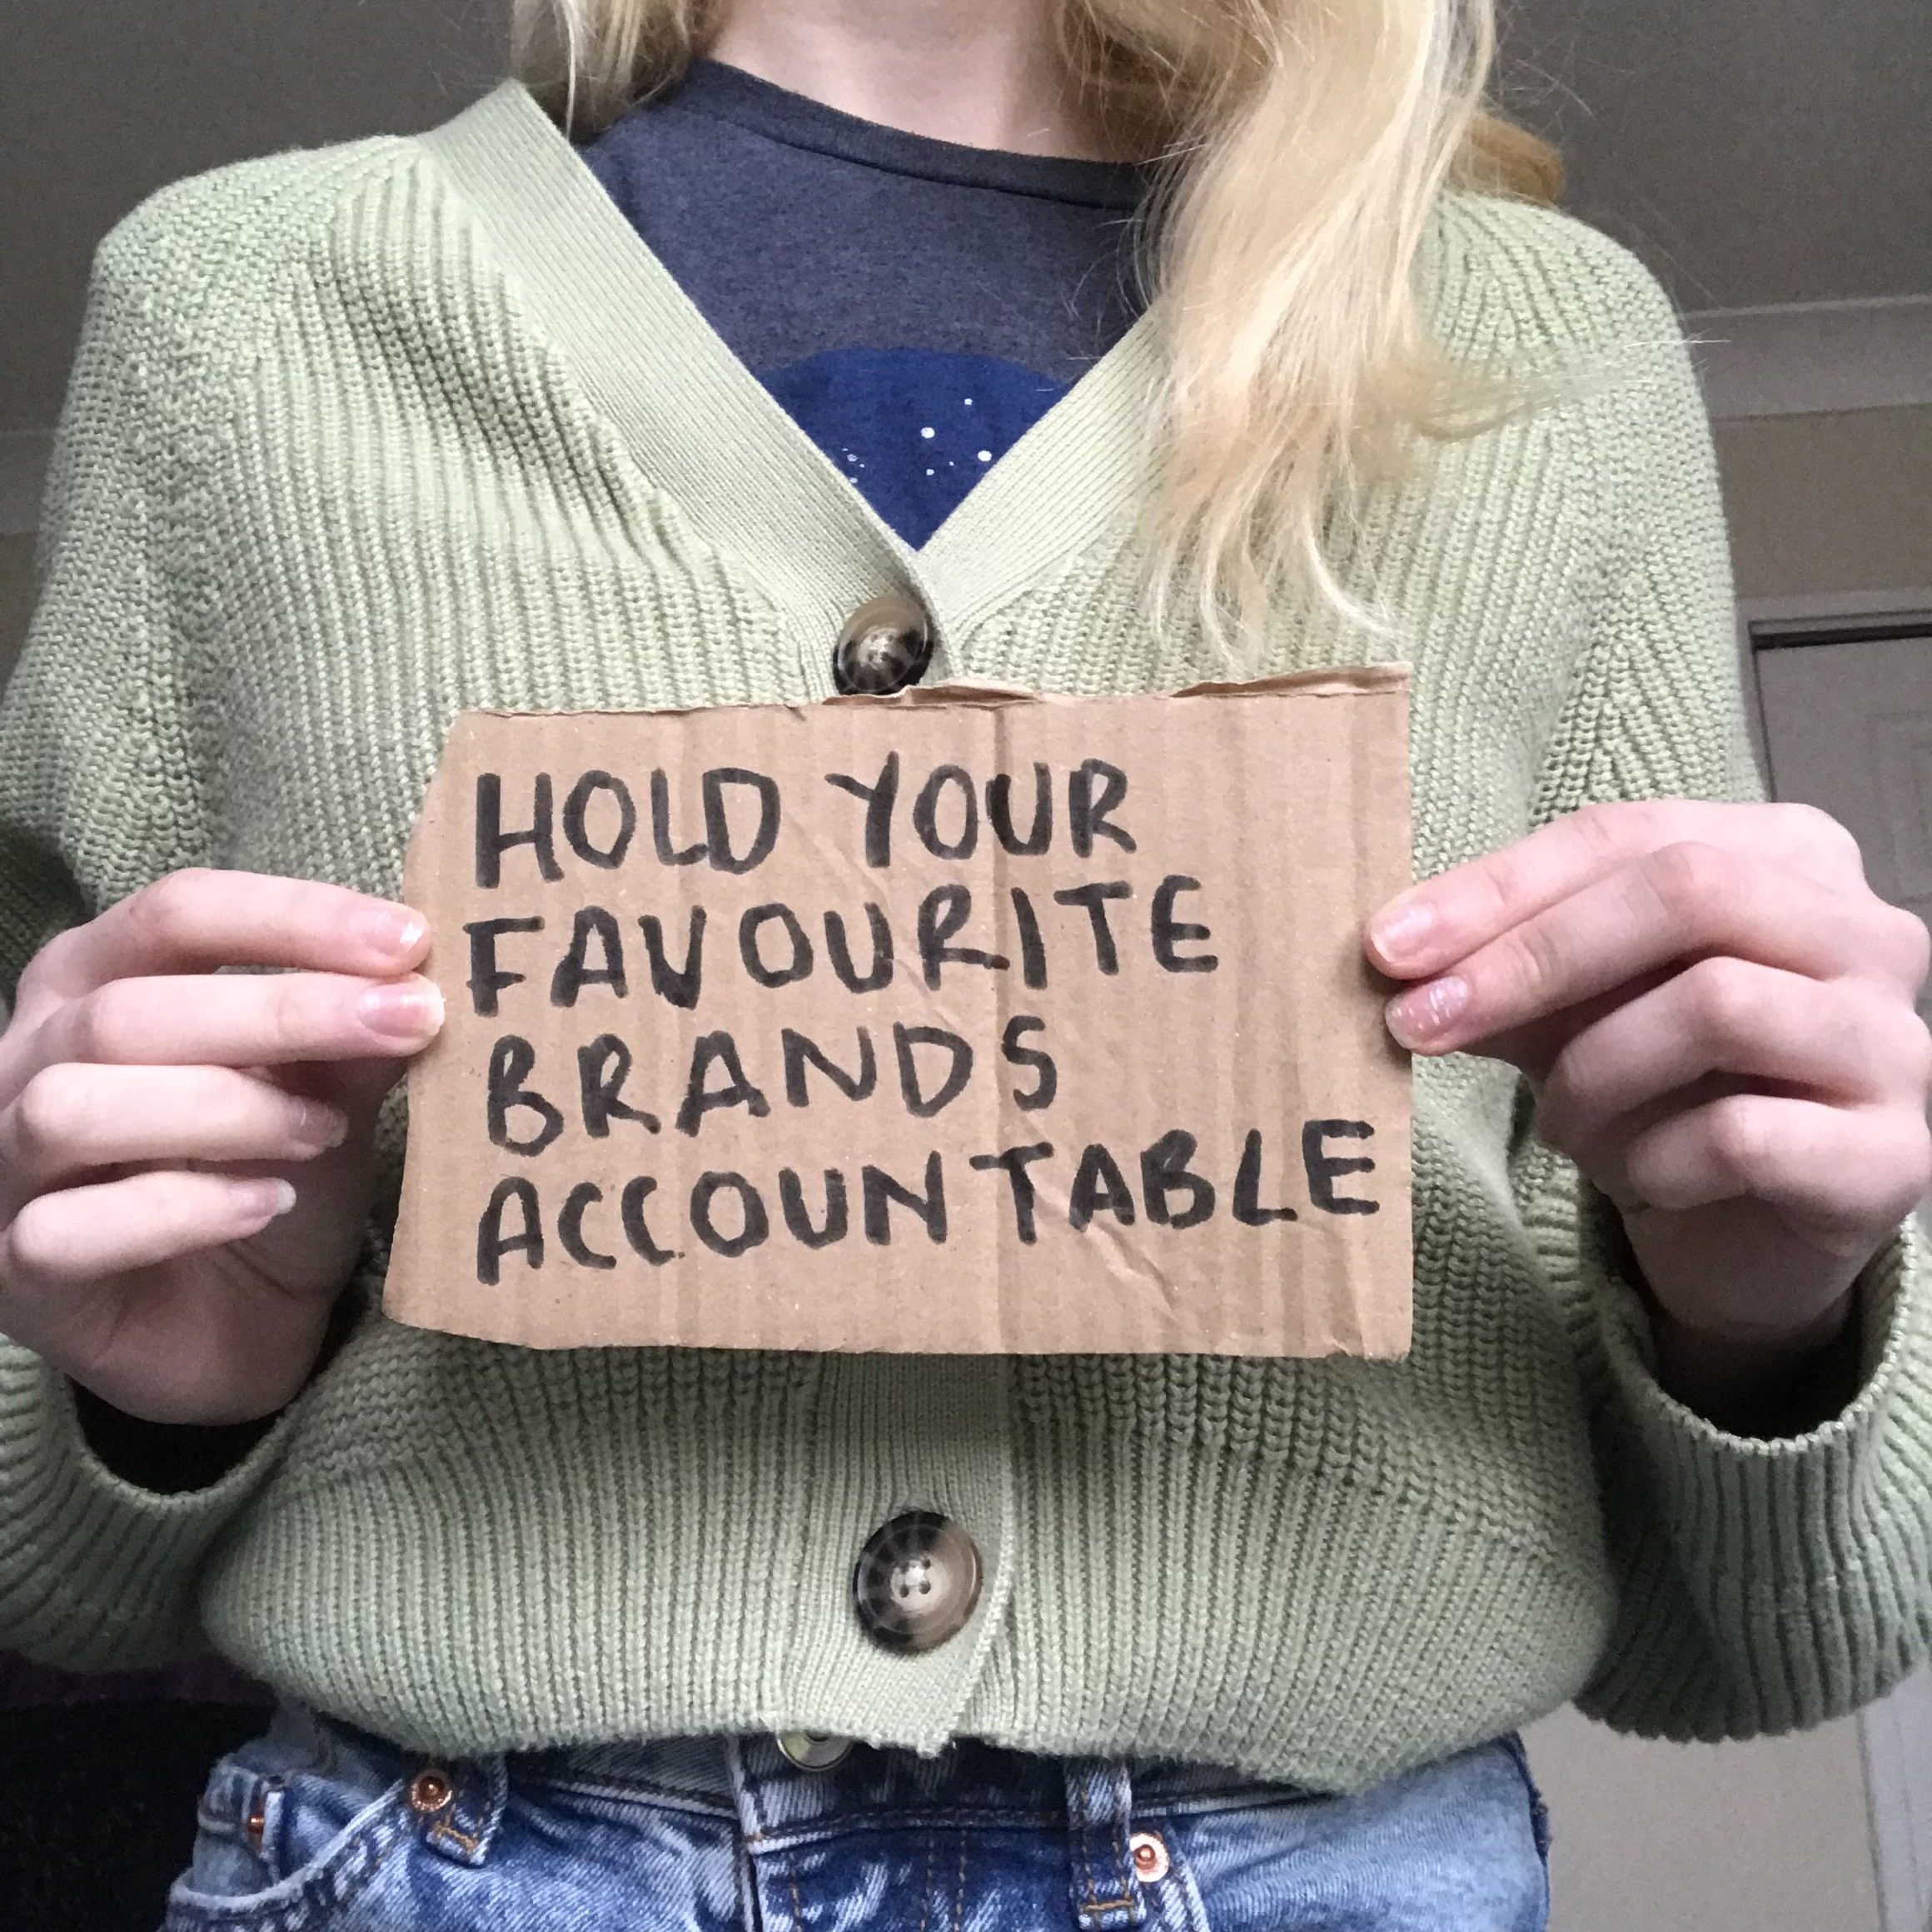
[1339,681]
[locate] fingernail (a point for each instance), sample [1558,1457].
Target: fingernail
[392,929]
[270,1198]
[322,1127]
[1400,933]
[1424,1012]
[411,1009]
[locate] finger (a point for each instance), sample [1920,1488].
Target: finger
[198,919]
[357,1087]
[64,1241]
[1836,1040]
[236,1020]
[1534,1047]
[1680,903]
[1836,1169]
[73,1118]
[1428,927]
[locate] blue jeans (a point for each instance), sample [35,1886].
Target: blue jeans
[317,1826]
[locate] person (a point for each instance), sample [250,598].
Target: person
[624,388]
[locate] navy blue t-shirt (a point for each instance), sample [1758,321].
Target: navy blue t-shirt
[914,305]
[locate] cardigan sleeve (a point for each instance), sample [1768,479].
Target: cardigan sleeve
[98,796]
[1763,1585]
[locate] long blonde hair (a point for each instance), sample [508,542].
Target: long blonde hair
[1306,142]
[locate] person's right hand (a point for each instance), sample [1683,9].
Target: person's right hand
[185,1156]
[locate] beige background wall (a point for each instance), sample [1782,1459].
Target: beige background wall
[1764,1837]
[1829,502]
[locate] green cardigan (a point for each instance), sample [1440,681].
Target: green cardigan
[363,435]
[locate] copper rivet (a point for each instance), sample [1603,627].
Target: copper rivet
[1150,1856]
[257,1826]
[429,1791]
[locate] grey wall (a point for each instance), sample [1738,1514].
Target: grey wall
[101,101]
[1751,151]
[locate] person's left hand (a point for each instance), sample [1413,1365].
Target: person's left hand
[1715,1015]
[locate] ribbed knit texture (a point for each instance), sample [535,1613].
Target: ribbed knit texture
[363,435]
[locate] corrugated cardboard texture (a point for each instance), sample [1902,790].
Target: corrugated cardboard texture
[959,1023]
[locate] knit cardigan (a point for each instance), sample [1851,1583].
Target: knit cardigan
[363,435]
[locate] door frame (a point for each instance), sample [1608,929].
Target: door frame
[1820,608]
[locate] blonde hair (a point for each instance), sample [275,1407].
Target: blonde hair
[1305,143]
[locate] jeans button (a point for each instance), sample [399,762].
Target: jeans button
[814,1750]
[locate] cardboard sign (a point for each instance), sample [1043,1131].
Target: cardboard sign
[955,1023]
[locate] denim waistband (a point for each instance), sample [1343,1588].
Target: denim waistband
[969,1781]
[748,1778]
[774,1821]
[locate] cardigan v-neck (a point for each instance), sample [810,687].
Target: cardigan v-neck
[696,419]
[915,305]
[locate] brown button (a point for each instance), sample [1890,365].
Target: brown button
[917,1581]
[884,646]
[1150,1856]
[429,1790]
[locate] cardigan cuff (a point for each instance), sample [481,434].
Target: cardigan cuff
[1798,1550]
[97,1572]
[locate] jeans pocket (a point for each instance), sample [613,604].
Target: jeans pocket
[290,1830]
[1456,1845]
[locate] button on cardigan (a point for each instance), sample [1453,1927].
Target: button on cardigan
[361,435]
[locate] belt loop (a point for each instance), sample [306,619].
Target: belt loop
[1106,1895]
[465,1828]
